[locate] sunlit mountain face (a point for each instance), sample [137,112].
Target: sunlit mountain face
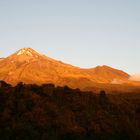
[31,67]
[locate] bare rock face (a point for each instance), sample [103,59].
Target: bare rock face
[29,66]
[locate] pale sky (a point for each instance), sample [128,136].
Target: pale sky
[85,33]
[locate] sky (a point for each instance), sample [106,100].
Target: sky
[84,33]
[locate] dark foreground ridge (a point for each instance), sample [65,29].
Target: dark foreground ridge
[46,112]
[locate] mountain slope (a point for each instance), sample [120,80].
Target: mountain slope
[29,66]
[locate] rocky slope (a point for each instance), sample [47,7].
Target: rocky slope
[29,66]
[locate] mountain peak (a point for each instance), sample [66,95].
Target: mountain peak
[26,51]
[25,55]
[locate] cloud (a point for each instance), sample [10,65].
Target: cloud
[135,77]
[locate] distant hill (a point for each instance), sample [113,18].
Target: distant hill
[30,67]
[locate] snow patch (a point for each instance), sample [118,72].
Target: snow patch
[26,52]
[29,53]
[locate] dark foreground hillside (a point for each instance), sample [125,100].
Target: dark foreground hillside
[31,112]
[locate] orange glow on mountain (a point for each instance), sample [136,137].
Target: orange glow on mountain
[29,66]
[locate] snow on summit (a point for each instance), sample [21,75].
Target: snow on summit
[25,51]
[25,54]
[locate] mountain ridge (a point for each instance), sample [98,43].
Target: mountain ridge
[31,67]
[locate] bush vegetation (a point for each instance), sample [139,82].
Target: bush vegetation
[46,112]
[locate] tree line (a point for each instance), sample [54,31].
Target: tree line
[47,112]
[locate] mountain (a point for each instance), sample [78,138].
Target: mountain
[31,67]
